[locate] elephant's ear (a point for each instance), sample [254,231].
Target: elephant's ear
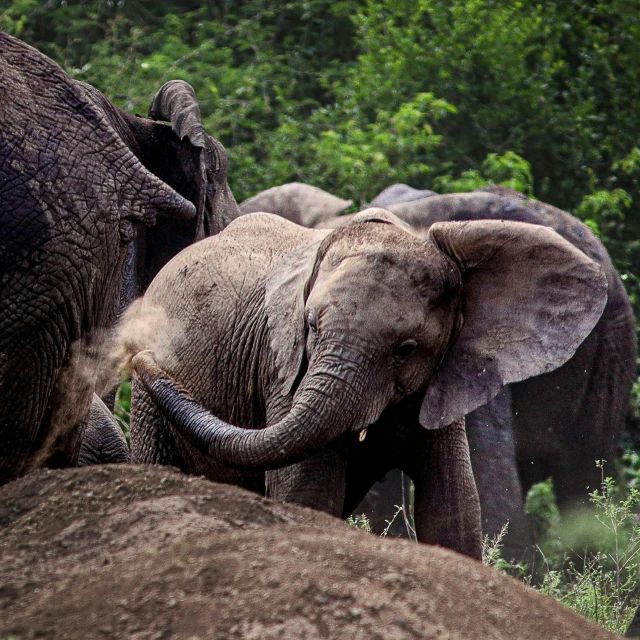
[176,103]
[529,298]
[141,194]
[286,293]
[206,158]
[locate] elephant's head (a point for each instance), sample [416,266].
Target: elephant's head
[369,313]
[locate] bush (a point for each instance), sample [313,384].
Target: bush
[601,584]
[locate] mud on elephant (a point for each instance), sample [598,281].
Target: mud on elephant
[80,179]
[308,340]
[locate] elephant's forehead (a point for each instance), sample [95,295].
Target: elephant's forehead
[372,281]
[415,266]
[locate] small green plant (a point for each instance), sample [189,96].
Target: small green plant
[386,530]
[122,409]
[602,584]
[492,548]
[360,522]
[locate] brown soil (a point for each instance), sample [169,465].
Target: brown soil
[143,552]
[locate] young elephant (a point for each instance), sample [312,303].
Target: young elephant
[308,339]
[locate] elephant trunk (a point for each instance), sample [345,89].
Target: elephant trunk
[325,406]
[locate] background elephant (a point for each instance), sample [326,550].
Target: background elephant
[325,334]
[80,178]
[555,424]
[400,193]
[298,202]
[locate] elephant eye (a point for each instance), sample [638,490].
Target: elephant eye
[312,322]
[404,351]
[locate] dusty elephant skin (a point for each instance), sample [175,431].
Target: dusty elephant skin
[313,339]
[143,552]
[555,424]
[80,182]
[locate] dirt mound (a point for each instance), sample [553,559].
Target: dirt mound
[143,552]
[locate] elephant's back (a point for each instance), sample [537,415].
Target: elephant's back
[232,263]
[303,204]
[486,205]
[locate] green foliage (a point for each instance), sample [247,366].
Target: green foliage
[508,170]
[122,409]
[355,157]
[601,583]
[360,522]
[542,511]
[630,468]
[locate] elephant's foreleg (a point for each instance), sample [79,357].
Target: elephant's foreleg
[447,507]
[493,458]
[152,441]
[318,482]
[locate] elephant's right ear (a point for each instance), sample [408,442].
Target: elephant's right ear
[528,299]
[141,194]
[286,292]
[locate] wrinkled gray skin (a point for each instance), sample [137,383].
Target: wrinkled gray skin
[193,163]
[298,202]
[556,424]
[103,439]
[75,189]
[304,338]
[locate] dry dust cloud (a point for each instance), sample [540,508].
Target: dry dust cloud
[95,365]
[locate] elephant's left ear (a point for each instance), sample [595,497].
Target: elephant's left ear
[529,298]
[286,292]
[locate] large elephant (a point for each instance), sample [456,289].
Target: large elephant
[307,339]
[553,425]
[81,181]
